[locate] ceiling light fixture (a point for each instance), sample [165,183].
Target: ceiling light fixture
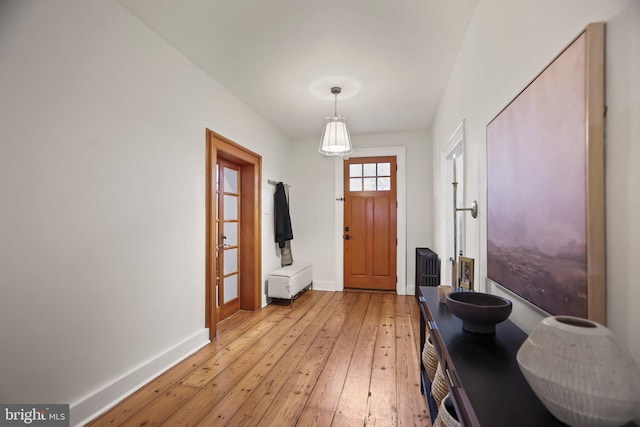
[335,139]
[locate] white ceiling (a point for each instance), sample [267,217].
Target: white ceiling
[281,57]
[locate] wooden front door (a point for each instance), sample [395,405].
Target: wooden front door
[370,217]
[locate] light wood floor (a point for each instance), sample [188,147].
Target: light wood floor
[333,359]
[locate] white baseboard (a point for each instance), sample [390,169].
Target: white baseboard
[89,407]
[325,285]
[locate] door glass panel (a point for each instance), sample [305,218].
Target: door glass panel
[231,233]
[217,264]
[230,261]
[355,170]
[376,176]
[230,288]
[355,184]
[230,180]
[228,242]
[369,169]
[384,169]
[230,207]
[369,184]
[384,184]
[217,252]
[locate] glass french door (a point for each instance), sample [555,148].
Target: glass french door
[227,238]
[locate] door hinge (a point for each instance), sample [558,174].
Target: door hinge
[396,279]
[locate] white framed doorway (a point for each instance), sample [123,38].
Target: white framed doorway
[401,255]
[452,158]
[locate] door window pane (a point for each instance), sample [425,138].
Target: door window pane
[355,170]
[230,180]
[369,169]
[230,207]
[231,233]
[230,261]
[384,169]
[217,265]
[369,184]
[384,184]
[230,288]
[355,184]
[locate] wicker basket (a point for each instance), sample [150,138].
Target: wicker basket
[445,417]
[439,387]
[429,358]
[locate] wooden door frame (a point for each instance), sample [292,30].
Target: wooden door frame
[217,146]
[402,287]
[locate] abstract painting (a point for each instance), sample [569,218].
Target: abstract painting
[541,234]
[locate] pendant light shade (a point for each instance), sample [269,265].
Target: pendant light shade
[335,139]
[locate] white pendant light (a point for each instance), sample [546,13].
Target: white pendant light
[335,139]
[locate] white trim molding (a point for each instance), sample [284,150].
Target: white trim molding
[99,401]
[456,143]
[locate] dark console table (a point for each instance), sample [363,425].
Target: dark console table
[482,373]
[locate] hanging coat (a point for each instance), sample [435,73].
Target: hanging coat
[283,229]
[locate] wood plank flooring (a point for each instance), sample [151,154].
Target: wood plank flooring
[332,359]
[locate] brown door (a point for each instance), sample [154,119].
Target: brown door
[249,243]
[228,238]
[370,216]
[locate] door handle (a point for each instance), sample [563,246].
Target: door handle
[347,237]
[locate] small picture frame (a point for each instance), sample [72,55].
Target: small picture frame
[465,272]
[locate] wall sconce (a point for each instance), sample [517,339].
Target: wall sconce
[474,214]
[456,209]
[473,209]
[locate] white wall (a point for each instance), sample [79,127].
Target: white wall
[507,45]
[102,185]
[623,175]
[313,206]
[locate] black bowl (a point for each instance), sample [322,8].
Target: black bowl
[479,312]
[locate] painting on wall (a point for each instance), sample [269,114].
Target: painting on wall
[465,272]
[545,185]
